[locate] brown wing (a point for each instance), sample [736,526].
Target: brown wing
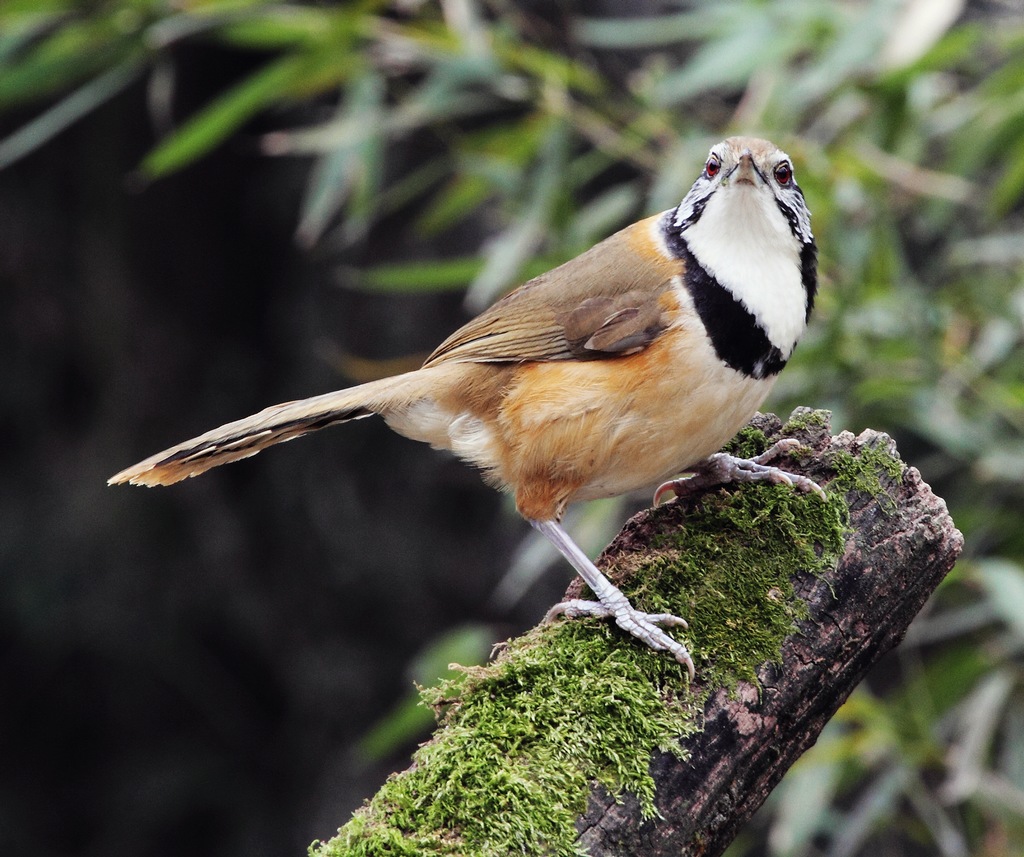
[608,301]
[619,324]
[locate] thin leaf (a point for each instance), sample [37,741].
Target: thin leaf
[19,9]
[1004,581]
[507,252]
[421,276]
[802,802]
[410,719]
[399,195]
[433,276]
[945,831]
[1010,187]
[74,52]
[544,65]
[504,257]
[977,721]
[1011,753]
[69,110]
[456,201]
[605,213]
[335,174]
[288,26]
[875,804]
[177,28]
[228,112]
[727,63]
[346,130]
[643,32]
[17,32]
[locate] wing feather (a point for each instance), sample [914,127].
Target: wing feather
[607,302]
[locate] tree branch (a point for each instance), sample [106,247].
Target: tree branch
[577,740]
[899,547]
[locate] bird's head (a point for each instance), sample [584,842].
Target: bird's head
[748,180]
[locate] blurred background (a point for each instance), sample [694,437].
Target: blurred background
[208,206]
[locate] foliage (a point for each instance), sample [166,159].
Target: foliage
[905,125]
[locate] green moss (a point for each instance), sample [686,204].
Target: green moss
[806,419]
[865,473]
[734,560]
[525,737]
[750,442]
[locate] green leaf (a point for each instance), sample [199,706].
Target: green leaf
[802,800]
[641,32]
[1010,187]
[76,51]
[67,111]
[546,66]
[1004,581]
[410,719]
[727,63]
[605,213]
[433,276]
[455,202]
[421,276]
[17,32]
[508,253]
[354,160]
[212,124]
[18,10]
[288,26]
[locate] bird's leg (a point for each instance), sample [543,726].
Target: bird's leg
[611,603]
[722,468]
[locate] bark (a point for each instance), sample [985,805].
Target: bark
[896,553]
[462,795]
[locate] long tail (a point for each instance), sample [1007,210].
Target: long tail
[245,437]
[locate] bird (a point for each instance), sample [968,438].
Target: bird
[622,369]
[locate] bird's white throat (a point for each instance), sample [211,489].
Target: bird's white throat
[743,240]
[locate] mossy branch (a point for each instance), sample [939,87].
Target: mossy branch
[576,740]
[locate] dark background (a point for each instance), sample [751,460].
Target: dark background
[185,669]
[190,670]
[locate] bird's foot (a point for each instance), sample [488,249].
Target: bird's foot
[611,602]
[722,468]
[646,627]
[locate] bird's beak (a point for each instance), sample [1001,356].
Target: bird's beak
[746,172]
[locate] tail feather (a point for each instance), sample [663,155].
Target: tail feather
[246,437]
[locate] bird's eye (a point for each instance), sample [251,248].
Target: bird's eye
[784,173]
[712,167]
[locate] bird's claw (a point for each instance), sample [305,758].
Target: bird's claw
[722,468]
[646,627]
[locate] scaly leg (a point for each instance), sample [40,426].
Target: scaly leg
[722,468]
[611,602]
